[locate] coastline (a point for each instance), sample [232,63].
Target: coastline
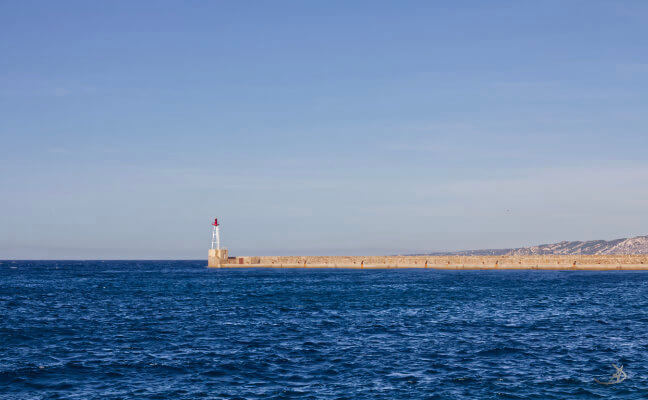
[538,262]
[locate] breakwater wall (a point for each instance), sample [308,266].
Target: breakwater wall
[557,262]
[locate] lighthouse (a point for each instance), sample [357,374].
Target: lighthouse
[216,256]
[215,235]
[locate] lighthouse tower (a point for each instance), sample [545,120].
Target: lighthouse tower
[216,256]
[215,235]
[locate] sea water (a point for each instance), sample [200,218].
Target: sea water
[177,330]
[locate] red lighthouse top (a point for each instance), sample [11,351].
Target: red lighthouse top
[215,222]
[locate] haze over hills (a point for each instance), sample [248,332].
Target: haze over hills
[635,245]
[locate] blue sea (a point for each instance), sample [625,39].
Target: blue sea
[177,330]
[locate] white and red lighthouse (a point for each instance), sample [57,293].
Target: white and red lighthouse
[215,243]
[217,255]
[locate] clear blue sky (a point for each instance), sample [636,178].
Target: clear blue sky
[319,127]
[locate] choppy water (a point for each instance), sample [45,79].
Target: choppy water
[176,330]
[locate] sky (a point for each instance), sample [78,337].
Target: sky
[319,127]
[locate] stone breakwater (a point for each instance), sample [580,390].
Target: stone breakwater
[549,262]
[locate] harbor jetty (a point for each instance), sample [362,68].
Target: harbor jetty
[219,258]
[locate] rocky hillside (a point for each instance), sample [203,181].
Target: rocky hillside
[635,245]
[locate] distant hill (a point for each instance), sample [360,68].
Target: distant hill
[635,245]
